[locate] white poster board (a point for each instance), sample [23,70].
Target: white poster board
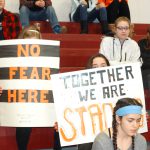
[85,99]
[25,69]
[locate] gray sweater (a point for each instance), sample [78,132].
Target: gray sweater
[103,142]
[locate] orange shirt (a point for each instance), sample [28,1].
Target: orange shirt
[107,2]
[121,0]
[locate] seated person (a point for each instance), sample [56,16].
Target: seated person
[95,61]
[121,48]
[39,10]
[10,25]
[85,11]
[144,45]
[127,116]
[115,9]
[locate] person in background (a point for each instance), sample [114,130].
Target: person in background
[144,45]
[37,10]
[10,25]
[127,116]
[115,9]
[23,133]
[85,11]
[95,61]
[120,48]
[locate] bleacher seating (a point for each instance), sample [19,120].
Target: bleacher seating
[75,50]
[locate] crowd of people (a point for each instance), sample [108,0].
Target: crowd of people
[116,49]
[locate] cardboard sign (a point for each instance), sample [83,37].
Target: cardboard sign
[85,100]
[25,69]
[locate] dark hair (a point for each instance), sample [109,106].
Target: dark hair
[122,103]
[29,32]
[90,61]
[147,44]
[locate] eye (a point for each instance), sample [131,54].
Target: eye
[138,120]
[130,120]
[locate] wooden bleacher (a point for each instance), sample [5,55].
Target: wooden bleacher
[75,50]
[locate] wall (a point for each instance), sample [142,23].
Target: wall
[139,9]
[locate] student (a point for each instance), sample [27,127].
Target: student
[10,25]
[23,133]
[39,10]
[145,55]
[115,9]
[120,48]
[127,116]
[85,11]
[95,61]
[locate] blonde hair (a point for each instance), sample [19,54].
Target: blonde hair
[122,19]
[31,31]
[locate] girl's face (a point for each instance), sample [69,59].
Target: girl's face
[129,124]
[122,30]
[99,62]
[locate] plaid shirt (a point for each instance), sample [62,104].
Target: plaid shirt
[11,25]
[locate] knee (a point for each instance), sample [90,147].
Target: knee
[83,7]
[50,9]
[24,9]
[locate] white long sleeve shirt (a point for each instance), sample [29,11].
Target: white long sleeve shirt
[117,53]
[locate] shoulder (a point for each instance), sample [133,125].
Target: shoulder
[140,137]
[107,40]
[142,41]
[131,41]
[8,13]
[102,141]
[140,141]
[103,137]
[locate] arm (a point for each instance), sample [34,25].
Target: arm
[27,3]
[77,2]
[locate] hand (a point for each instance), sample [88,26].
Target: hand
[83,2]
[1,91]
[56,126]
[100,5]
[40,3]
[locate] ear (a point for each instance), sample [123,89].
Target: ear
[118,119]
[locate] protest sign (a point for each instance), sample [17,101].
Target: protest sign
[25,69]
[85,99]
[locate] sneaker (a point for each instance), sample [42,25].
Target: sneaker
[58,29]
[63,29]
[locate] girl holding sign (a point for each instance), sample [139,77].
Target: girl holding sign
[96,61]
[23,133]
[126,122]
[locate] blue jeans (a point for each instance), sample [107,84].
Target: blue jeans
[81,14]
[48,13]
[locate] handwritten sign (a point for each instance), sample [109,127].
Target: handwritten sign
[25,69]
[85,100]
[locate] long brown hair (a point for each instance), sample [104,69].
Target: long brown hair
[122,103]
[90,61]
